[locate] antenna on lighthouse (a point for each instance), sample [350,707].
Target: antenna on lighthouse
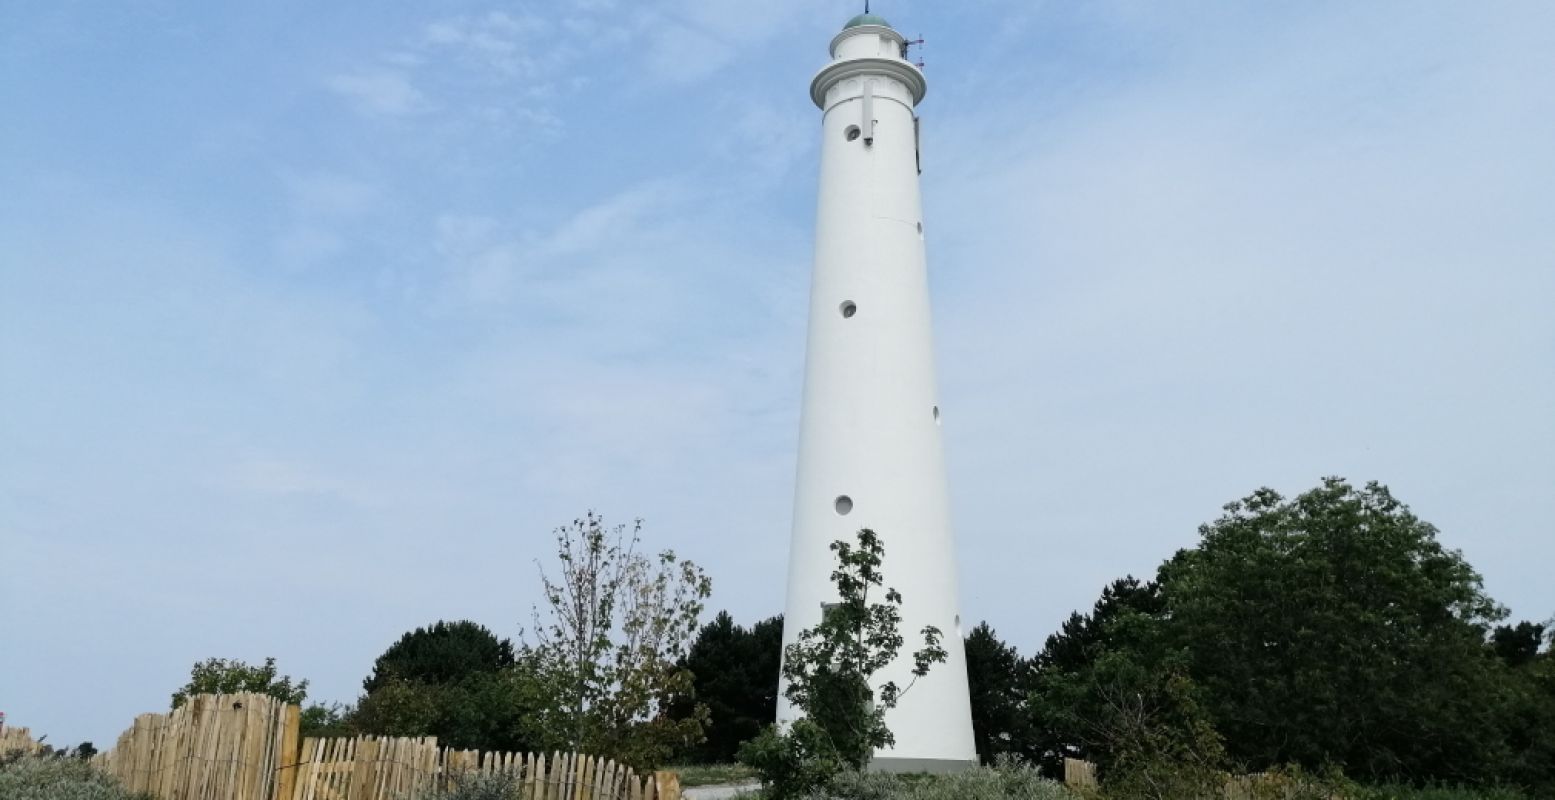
[908,45]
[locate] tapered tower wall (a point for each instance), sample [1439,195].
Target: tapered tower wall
[870,451]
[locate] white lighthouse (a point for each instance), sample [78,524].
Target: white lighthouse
[870,453]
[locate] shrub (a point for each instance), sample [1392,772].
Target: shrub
[1009,780]
[794,763]
[480,786]
[52,778]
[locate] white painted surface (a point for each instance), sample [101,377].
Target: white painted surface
[868,429]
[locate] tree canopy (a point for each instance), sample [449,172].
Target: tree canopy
[441,653]
[735,673]
[228,676]
[1329,630]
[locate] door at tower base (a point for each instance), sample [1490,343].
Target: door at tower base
[870,450]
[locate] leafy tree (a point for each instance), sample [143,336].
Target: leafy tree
[327,720]
[1518,645]
[829,669]
[735,672]
[1060,713]
[1134,711]
[453,680]
[223,676]
[616,628]
[1530,717]
[445,652]
[995,674]
[1333,628]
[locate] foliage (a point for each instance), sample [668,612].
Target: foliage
[1142,722]
[1517,645]
[1334,629]
[442,653]
[327,720]
[1327,631]
[475,785]
[829,670]
[995,678]
[223,676]
[502,711]
[1007,780]
[26,777]
[735,673]
[617,627]
[1061,693]
[693,775]
[1396,791]
[794,762]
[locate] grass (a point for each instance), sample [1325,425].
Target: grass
[713,774]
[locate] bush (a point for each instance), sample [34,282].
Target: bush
[55,778]
[792,764]
[481,786]
[1009,780]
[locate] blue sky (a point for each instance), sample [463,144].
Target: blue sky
[315,319]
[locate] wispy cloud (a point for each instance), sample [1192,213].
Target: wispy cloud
[379,91]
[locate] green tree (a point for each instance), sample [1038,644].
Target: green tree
[615,629]
[1530,716]
[454,680]
[995,677]
[735,673]
[441,653]
[1517,645]
[1334,629]
[334,719]
[830,668]
[224,676]
[1132,709]
[1062,695]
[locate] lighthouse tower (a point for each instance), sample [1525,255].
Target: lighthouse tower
[870,453]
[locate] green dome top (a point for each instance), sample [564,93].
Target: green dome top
[866,19]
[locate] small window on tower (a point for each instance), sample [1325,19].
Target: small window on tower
[852,133]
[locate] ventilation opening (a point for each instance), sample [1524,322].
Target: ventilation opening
[848,309]
[852,133]
[843,505]
[936,415]
[920,229]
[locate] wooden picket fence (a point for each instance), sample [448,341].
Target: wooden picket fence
[369,768]
[13,739]
[213,747]
[245,747]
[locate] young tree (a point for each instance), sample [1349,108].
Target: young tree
[830,668]
[616,627]
[223,676]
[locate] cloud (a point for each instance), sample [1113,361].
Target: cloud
[379,91]
[328,194]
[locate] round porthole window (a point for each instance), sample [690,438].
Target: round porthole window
[844,504]
[852,133]
[848,309]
